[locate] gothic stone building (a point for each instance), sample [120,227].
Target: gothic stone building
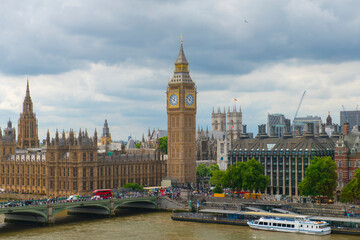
[69,165]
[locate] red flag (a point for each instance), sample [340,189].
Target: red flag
[235,99]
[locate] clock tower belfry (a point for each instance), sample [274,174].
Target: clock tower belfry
[181,111]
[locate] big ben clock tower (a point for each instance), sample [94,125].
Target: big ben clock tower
[181,111]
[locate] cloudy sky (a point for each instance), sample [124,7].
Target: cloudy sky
[88,61]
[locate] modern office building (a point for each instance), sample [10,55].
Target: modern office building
[300,125]
[352,117]
[284,159]
[276,122]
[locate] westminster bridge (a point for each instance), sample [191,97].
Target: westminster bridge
[45,213]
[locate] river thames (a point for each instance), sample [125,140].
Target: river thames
[153,225]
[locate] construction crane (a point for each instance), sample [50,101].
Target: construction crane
[297,110]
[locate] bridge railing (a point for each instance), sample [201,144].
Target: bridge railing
[47,201]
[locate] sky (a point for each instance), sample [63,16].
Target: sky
[88,61]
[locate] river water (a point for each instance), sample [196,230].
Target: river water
[148,226]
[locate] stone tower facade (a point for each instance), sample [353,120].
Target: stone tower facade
[181,111]
[234,122]
[218,120]
[28,126]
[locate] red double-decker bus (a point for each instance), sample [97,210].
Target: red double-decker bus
[103,194]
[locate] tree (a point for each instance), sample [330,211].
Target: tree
[233,177]
[253,177]
[217,189]
[133,186]
[217,178]
[138,145]
[163,144]
[320,178]
[351,192]
[202,171]
[213,168]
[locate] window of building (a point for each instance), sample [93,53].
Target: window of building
[356,163]
[84,186]
[349,163]
[84,157]
[91,174]
[350,174]
[91,157]
[340,152]
[340,163]
[84,172]
[75,186]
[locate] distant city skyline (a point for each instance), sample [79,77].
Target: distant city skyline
[88,61]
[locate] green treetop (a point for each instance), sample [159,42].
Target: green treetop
[351,192]
[320,178]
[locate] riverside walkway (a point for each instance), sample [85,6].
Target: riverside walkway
[45,211]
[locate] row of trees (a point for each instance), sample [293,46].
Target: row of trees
[320,179]
[244,176]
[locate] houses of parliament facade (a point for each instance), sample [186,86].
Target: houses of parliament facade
[69,163]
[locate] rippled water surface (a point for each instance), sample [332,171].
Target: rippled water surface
[148,226]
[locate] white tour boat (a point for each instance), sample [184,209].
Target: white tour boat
[299,224]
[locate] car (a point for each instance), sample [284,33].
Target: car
[73,198]
[96,197]
[11,204]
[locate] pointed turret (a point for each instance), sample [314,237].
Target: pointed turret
[181,59]
[181,72]
[57,137]
[48,137]
[95,138]
[27,89]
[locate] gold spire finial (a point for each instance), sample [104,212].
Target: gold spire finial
[329,113]
[181,39]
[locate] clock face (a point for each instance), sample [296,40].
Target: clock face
[189,99]
[174,99]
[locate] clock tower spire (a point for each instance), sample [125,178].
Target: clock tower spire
[181,111]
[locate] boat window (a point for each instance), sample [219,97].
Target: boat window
[292,226]
[288,225]
[256,222]
[283,225]
[265,223]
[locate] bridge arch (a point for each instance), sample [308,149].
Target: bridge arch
[136,204]
[82,205]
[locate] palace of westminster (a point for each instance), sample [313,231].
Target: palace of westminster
[70,163]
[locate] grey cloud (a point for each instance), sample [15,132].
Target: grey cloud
[57,36]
